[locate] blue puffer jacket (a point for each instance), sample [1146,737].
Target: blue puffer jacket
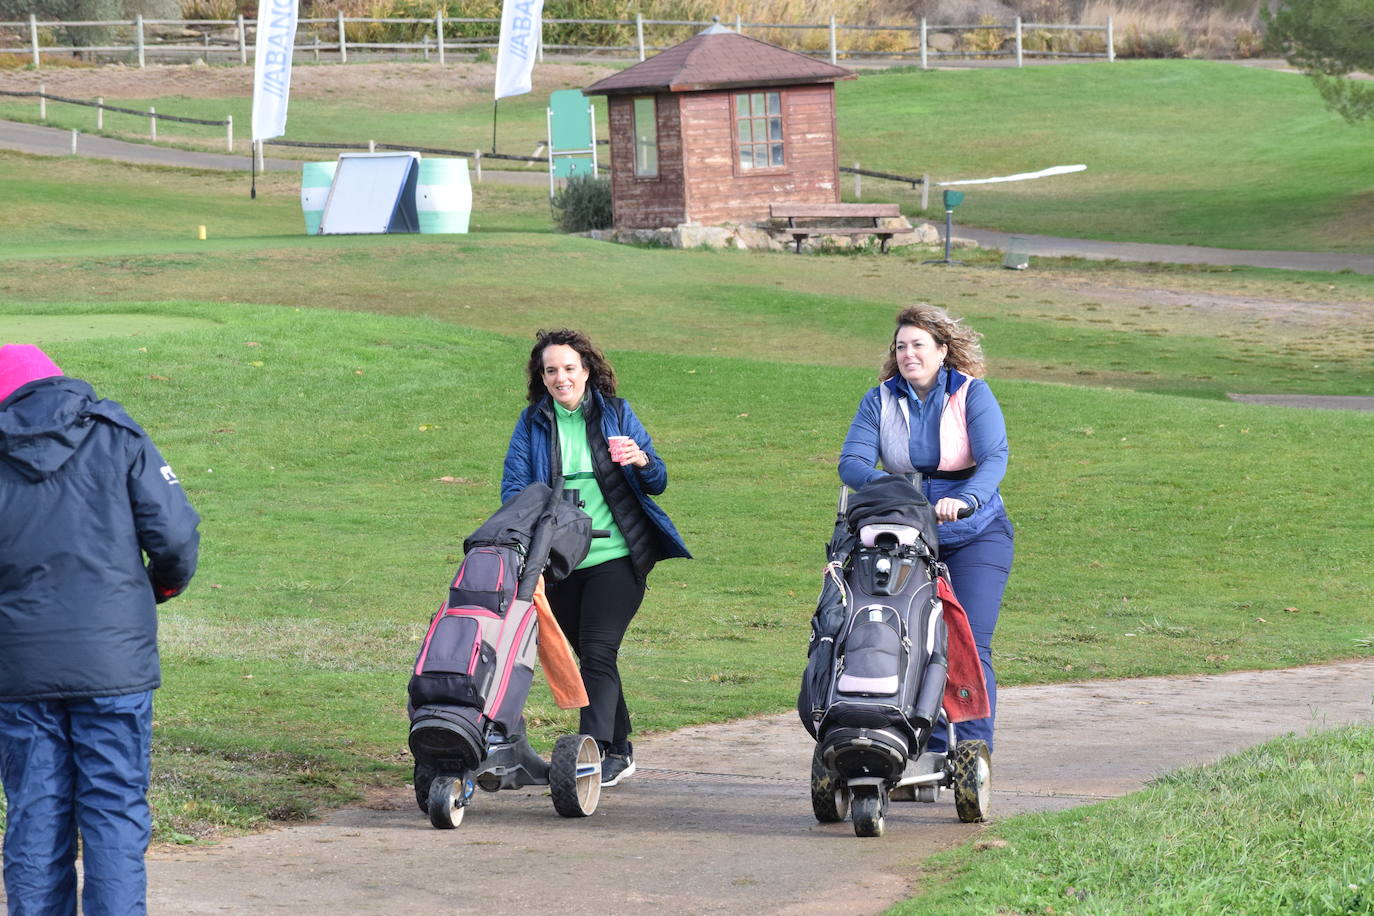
[527,460]
[84,494]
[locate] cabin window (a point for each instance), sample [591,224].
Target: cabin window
[646,138]
[758,130]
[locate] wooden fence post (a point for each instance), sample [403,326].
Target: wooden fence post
[229,133]
[439,32]
[100,112]
[1020,61]
[639,33]
[832,40]
[73,141]
[138,39]
[477,161]
[33,40]
[1111,43]
[343,41]
[243,41]
[924,64]
[152,123]
[925,191]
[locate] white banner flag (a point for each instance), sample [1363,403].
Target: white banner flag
[272,67]
[1020,176]
[520,24]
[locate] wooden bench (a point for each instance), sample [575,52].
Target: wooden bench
[822,219]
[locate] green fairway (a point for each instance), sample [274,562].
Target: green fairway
[1183,152]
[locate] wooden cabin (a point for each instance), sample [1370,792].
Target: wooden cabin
[717,128]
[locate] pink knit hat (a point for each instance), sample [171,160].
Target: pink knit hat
[21,364]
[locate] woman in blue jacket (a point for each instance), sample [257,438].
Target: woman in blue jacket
[572,422]
[931,413]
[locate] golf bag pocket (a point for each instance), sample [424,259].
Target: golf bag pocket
[487,578]
[873,654]
[455,664]
[826,623]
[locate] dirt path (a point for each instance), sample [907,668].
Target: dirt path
[718,820]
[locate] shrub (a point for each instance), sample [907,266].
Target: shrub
[582,204]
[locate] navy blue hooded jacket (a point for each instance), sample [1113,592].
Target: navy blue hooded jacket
[84,494]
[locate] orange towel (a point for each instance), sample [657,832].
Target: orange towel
[556,656]
[966,693]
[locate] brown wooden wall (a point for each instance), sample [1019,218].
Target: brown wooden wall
[697,177]
[646,203]
[718,192]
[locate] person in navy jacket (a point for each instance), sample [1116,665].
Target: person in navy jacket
[931,413]
[84,497]
[577,427]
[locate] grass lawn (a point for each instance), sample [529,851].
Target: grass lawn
[337,409]
[1181,152]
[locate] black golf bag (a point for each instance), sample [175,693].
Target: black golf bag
[475,667]
[874,682]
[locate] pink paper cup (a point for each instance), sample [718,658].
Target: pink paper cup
[618,446]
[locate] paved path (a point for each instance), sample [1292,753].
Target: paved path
[48,141]
[719,818]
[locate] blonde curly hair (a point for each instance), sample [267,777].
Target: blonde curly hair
[964,352]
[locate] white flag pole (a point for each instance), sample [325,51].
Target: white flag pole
[276,40]
[515,53]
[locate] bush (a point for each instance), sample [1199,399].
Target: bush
[582,204]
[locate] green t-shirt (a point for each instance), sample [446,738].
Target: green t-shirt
[577,474]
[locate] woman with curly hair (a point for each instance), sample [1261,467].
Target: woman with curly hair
[932,414]
[576,425]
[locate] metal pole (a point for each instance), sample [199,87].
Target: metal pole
[138,38]
[229,133]
[639,33]
[439,33]
[33,40]
[1020,61]
[343,41]
[923,43]
[832,40]
[1111,43]
[243,42]
[152,123]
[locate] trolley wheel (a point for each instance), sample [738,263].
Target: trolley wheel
[575,775]
[870,811]
[971,764]
[423,779]
[448,799]
[829,795]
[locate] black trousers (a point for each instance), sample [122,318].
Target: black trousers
[594,606]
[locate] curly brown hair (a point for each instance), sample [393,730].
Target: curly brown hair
[964,352]
[600,374]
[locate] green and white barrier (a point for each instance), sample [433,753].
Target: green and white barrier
[316,177]
[443,196]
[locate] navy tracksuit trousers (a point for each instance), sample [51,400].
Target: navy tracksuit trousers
[72,767]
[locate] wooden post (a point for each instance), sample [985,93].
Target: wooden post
[73,141]
[317,49]
[832,40]
[229,133]
[138,39]
[152,123]
[343,41]
[100,112]
[243,41]
[424,48]
[372,146]
[1020,61]
[33,40]
[42,102]
[1111,43]
[439,32]
[477,162]
[639,33]
[925,191]
[923,43]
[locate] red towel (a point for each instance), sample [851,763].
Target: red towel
[556,657]
[966,693]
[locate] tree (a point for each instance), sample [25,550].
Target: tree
[1328,40]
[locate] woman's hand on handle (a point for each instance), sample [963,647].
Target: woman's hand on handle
[951,508]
